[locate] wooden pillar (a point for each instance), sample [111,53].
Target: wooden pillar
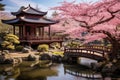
[20,33]
[39,31]
[22,30]
[60,44]
[13,29]
[42,32]
[34,31]
[29,44]
[49,33]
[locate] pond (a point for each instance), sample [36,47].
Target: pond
[55,72]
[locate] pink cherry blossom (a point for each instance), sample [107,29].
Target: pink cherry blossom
[100,19]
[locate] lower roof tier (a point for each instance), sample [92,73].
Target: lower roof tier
[29,20]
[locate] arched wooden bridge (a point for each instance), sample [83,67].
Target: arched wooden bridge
[93,52]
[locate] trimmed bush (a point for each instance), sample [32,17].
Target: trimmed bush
[43,47]
[73,44]
[19,48]
[55,45]
[9,41]
[58,53]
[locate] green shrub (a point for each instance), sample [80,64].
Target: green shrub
[43,47]
[19,48]
[73,44]
[8,41]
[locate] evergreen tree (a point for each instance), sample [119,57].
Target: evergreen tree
[1,6]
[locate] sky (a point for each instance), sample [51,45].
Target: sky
[43,5]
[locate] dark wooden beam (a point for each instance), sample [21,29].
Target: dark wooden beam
[39,31]
[42,32]
[14,29]
[49,32]
[20,33]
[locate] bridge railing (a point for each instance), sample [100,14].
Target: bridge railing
[101,48]
[83,50]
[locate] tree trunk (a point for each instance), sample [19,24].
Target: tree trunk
[115,52]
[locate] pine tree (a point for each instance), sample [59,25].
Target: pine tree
[1,6]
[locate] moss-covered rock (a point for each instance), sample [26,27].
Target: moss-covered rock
[19,48]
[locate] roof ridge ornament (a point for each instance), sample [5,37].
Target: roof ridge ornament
[29,5]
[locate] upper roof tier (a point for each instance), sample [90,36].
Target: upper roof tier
[29,19]
[29,10]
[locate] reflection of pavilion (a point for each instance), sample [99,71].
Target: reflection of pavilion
[25,72]
[31,24]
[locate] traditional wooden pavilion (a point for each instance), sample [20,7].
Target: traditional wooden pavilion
[31,24]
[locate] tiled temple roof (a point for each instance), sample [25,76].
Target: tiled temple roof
[33,19]
[29,10]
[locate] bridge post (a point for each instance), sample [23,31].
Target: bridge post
[103,53]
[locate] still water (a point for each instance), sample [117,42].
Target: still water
[55,72]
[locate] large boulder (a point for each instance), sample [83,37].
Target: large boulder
[31,57]
[5,59]
[8,61]
[5,52]
[109,69]
[27,49]
[45,56]
[57,58]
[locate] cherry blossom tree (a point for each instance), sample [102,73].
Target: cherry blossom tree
[100,19]
[64,26]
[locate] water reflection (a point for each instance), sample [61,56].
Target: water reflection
[56,72]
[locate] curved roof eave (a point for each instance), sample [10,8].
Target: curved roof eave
[11,21]
[17,20]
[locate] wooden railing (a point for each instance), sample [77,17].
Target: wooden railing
[40,38]
[94,47]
